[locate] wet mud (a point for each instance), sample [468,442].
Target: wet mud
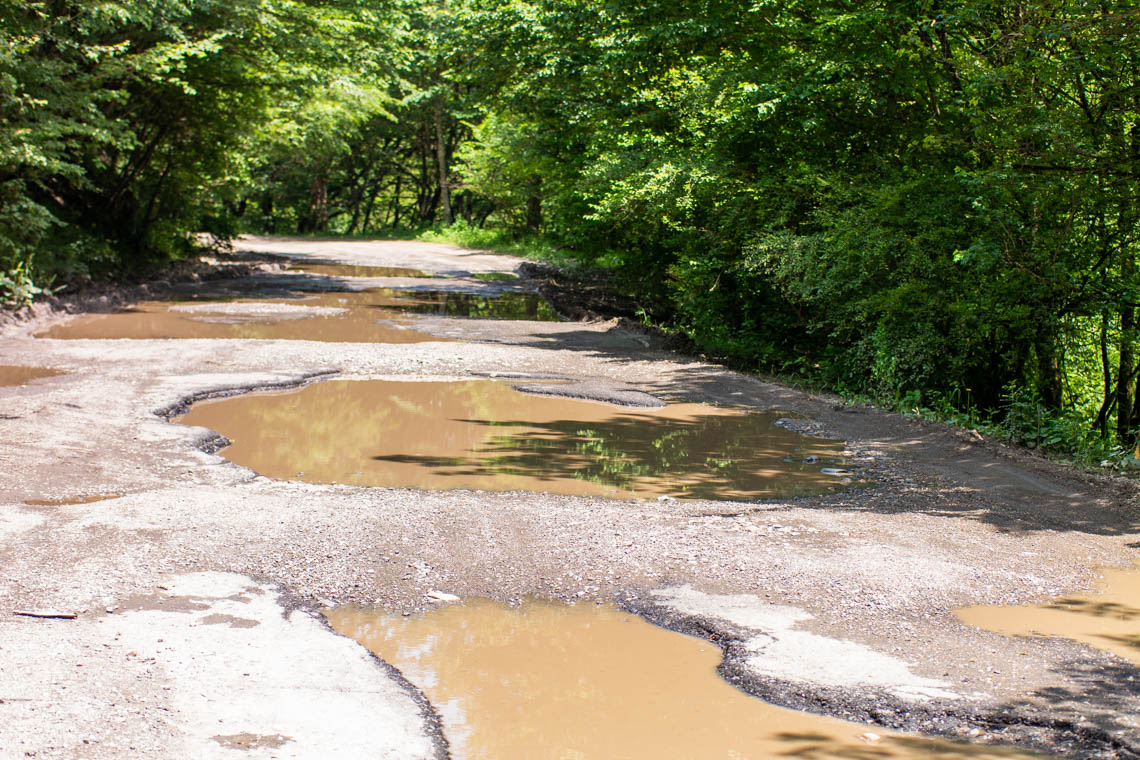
[484,435]
[1107,619]
[546,680]
[13,375]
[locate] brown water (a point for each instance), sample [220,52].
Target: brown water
[482,434]
[370,316]
[524,306]
[1108,619]
[352,270]
[357,317]
[12,375]
[585,682]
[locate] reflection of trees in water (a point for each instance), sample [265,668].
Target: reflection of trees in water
[524,306]
[823,747]
[714,456]
[1095,608]
[1125,641]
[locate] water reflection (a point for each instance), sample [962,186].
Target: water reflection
[352,270]
[524,306]
[484,435]
[588,681]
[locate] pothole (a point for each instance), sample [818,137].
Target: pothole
[14,375]
[484,435]
[371,316]
[586,681]
[1107,619]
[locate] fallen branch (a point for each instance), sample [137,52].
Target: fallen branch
[49,614]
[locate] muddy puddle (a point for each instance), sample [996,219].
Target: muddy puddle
[1107,619]
[370,316]
[353,270]
[482,434]
[13,375]
[547,681]
[530,307]
[356,317]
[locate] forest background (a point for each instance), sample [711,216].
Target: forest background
[929,204]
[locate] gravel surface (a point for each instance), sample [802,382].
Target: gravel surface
[868,576]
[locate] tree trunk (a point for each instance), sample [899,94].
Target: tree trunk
[376,187]
[441,160]
[426,191]
[267,213]
[396,204]
[534,204]
[1126,383]
[357,197]
[1101,423]
[319,201]
[1049,370]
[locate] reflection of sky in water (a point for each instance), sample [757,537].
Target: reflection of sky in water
[459,729]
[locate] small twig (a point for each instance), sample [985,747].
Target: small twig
[49,614]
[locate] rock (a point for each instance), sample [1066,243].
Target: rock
[442,596]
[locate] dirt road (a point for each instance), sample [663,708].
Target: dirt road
[196,586]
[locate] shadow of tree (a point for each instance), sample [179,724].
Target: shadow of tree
[1101,696]
[529,307]
[729,457]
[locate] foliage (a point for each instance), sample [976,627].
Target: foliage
[126,123]
[17,288]
[498,240]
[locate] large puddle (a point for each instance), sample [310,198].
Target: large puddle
[1107,619]
[482,434]
[369,316]
[13,375]
[547,681]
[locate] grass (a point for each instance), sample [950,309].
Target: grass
[498,240]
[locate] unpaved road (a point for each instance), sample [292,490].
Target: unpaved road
[198,587]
